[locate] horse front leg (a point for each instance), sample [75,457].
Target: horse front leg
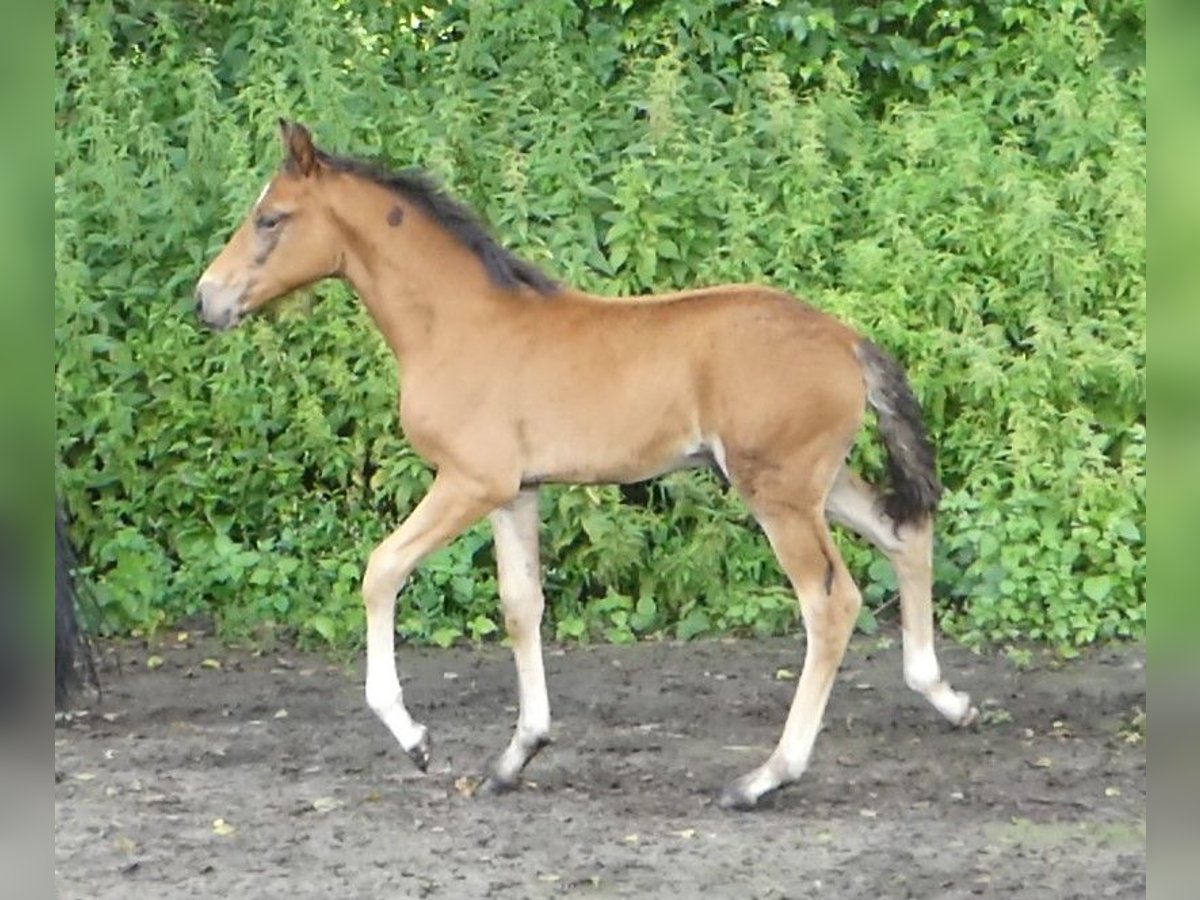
[515,531]
[452,504]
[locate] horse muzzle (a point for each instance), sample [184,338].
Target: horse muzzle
[218,306]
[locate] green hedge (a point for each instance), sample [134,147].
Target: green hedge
[967,187]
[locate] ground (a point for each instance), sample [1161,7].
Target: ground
[204,772]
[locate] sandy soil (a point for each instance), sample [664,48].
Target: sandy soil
[266,776]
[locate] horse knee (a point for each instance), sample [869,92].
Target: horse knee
[382,579]
[523,616]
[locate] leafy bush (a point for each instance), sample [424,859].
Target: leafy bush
[965,186]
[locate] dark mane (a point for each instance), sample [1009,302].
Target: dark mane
[503,267]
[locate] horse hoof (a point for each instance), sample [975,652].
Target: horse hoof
[496,783]
[970,717]
[419,752]
[493,785]
[735,799]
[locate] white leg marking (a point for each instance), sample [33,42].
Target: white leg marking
[384,694]
[450,506]
[921,670]
[515,532]
[805,551]
[853,503]
[923,675]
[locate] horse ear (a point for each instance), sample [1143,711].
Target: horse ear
[300,154]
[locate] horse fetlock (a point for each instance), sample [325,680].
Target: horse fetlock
[386,700]
[922,683]
[955,706]
[524,748]
[383,696]
[533,741]
[921,670]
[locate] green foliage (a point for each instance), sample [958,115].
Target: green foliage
[964,184]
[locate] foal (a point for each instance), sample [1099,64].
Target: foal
[511,381]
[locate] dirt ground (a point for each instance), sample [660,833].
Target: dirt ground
[224,774]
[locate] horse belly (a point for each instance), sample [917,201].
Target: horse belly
[614,449]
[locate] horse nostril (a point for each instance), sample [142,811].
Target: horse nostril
[199,301]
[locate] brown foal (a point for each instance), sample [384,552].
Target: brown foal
[511,381]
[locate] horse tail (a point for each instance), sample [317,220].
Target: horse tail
[914,490]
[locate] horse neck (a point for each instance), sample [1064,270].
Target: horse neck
[420,286]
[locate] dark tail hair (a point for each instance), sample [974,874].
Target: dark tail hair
[912,469]
[72,651]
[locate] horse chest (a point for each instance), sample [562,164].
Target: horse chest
[440,415]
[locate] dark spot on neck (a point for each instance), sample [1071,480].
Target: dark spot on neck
[395,216]
[502,266]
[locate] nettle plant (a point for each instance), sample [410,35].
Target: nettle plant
[966,186]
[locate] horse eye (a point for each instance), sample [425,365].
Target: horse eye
[269,221]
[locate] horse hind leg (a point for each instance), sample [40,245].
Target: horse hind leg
[855,505]
[829,604]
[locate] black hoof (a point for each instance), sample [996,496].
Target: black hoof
[735,799]
[493,785]
[419,752]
